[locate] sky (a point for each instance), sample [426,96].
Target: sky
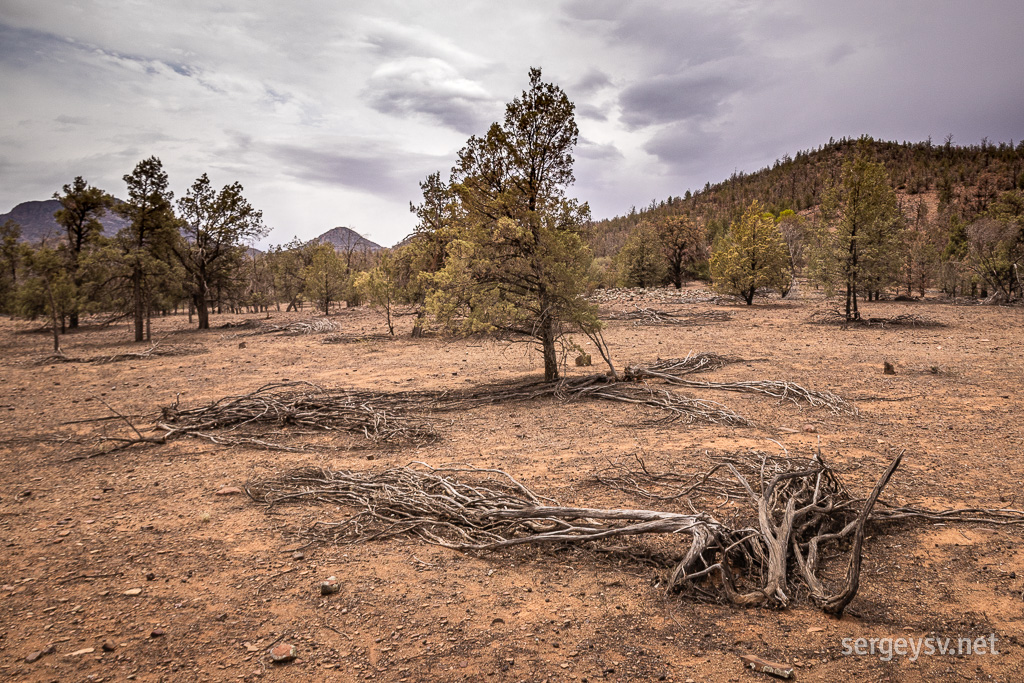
[330,112]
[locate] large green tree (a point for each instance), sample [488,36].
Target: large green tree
[519,262]
[858,241]
[751,255]
[683,242]
[215,228]
[82,207]
[145,243]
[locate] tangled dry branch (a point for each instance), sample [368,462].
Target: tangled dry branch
[154,351]
[641,316]
[796,507]
[253,327]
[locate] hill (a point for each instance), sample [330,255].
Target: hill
[346,240]
[37,222]
[961,180]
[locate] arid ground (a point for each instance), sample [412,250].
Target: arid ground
[134,568]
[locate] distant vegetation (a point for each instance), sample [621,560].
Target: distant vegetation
[499,246]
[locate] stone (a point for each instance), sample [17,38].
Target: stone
[36,656]
[282,653]
[810,429]
[298,555]
[108,646]
[133,591]
[330,586]
[157,633]
[228,491]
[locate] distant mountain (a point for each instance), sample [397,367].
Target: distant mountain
[37,222]
[346,239]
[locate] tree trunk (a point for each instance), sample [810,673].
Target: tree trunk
[748,296]
[547,332]
[139,312]
[202,309]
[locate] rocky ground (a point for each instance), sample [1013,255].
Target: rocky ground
[144,565]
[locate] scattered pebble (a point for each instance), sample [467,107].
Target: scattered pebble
[36,656]
[133,591]
[329,586]
[228,491]
[282,653]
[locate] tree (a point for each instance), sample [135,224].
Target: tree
[381,287]
[82,207]
[996,245]
[216,225]
[53,282]
[683,242]
[10,259]
[145,243]
[641,262]
[858,240]
[751,255]
[325,277]
[519,262]
[424,252]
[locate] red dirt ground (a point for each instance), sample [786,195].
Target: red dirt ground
[220,586]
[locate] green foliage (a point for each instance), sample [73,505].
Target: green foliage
[996,245]
[210,247]
[381,286]
[684,244]
[325,278]
[82,206]
[518,261]
[641,263]
[858,242]
[145,244]
[10,261]
[750,256]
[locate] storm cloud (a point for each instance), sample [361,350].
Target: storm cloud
[331,113]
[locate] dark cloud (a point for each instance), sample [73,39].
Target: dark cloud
[676,97]
[371,173]
[431,88]
[683,147]
[587,149]
[669,34]
[591,111]
[591,82]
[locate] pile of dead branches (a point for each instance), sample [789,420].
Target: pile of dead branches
[357,338]
[785,515]
[276,415]
[641,316]
[154,351]
[835,317]
[292,329]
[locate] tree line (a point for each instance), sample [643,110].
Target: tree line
[500,247]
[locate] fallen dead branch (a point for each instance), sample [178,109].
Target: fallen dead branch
[254,327]
[357,338]
[157,350]
[641,316]
[797,506]
[835,317]
[783,520]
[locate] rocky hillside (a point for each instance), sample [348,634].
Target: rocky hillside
[347,240]
[37,222]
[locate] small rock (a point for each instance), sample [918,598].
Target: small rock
[36,656]
[157,633]
[329,586]
[150,576]
[249,647]
[298,555]
[229,491]
[888,368]
[108,646]
[810,429]
[83,651]
[241,345]
[282,653]
[133,591]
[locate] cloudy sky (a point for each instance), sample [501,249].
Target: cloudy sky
[330,112]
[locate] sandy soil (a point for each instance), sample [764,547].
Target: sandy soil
[220,583]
